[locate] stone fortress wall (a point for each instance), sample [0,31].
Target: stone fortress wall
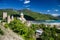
[27,22]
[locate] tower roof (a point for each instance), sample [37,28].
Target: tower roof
[21,13]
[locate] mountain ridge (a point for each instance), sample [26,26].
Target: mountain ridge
[35,15]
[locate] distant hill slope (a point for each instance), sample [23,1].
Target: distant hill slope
[35,15]
[9,11]
[38,16]
[58,17]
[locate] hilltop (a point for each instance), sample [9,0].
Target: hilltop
[38,16]
[28,13]
[58,17]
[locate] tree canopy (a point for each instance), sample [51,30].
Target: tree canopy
[21,29]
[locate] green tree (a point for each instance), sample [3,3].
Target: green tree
[21,29]
[1,32]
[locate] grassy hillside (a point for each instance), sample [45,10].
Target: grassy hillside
[38,16]
[35,15]
[1,32]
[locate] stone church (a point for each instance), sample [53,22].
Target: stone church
[11,18]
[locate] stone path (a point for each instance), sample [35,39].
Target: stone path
[9,34]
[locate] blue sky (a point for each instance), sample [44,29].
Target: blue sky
[42,6]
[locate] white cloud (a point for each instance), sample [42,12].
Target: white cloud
[55,14]
[56,10]
[27,6]
[40,12]
[48,10]
[58,5]
[26,1]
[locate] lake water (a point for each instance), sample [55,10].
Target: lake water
[46,21]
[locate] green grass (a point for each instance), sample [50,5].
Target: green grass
[1,32]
